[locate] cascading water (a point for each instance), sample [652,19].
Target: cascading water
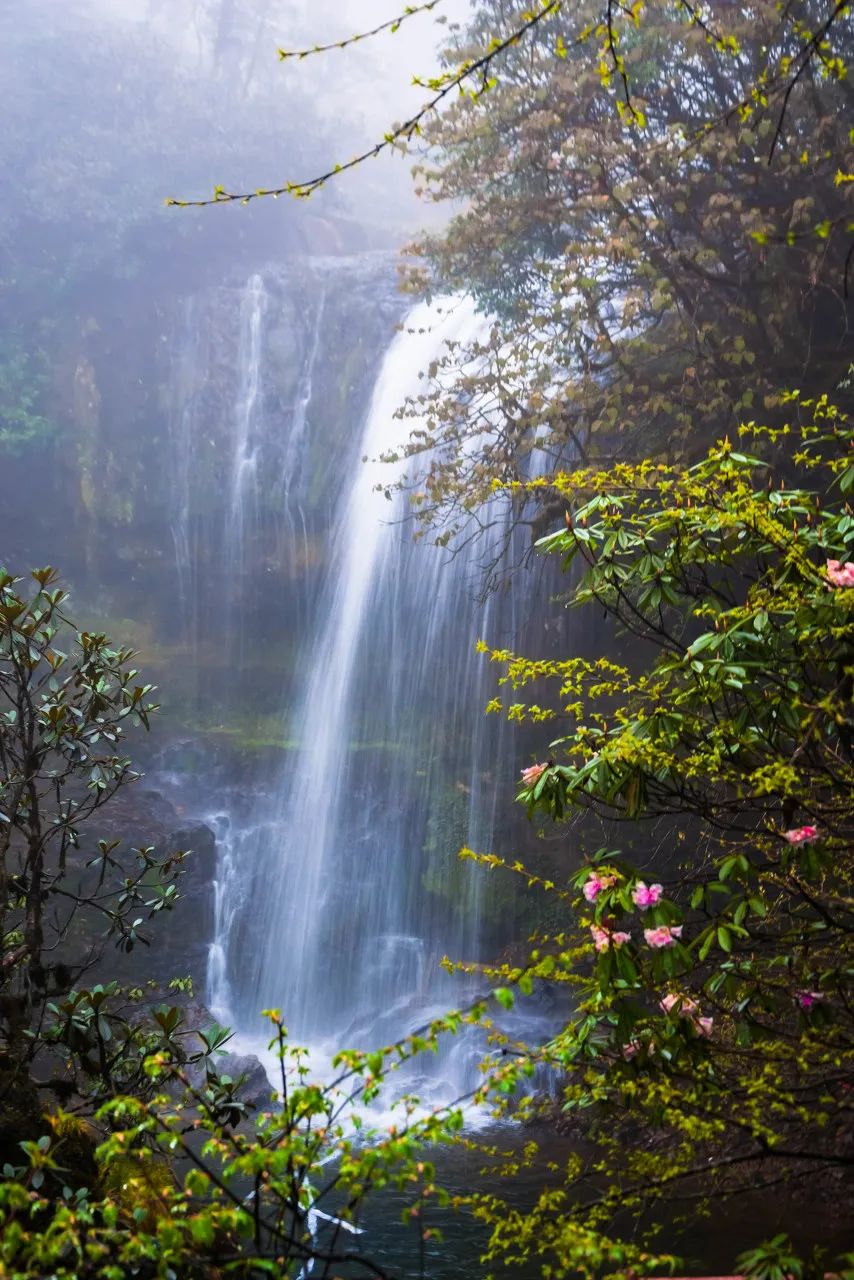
[252,486]
[338,888]
[183,453]
[243,498]
[350,891]
[306,916]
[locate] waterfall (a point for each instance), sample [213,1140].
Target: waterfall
[353,893]
[256,434]
[243,498]
[339,889]
[294,458]
[184,429]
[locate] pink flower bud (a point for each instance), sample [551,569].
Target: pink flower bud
[840,575]
[682,1004]
[597,882]
[533,773]
[605,938]
[664,936]
[801,835]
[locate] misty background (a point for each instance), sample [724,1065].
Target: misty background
[186,399]
[109,106]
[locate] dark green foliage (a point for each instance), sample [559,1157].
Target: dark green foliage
[66,703]
[23,382]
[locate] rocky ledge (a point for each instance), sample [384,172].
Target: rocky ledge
[139,817]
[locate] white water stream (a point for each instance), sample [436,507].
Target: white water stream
[338,896]
[344,930]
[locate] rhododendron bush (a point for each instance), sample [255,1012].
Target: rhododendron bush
[713,1037]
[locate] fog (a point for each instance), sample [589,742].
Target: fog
[110,106]
[186,398]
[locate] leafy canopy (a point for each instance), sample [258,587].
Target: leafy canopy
[650,282]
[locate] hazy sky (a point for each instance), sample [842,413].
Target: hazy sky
[110,106]
[384,65]
[361,90]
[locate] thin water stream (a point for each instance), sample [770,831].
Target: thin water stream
[350,917]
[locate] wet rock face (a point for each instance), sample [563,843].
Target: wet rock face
[152,400]
[268,382]
[206,428]
[140,817]
[188,929]
[255,1088]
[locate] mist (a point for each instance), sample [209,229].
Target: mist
[188,396]
[110,106]
[426,639]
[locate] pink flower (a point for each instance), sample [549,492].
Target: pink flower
[806,999]
[644,896]
[840,575]
[533,773]
[596,883]
[664,936]
[605,938]
[684,1005]
[801,835]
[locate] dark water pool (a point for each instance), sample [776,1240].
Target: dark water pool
[709,1246]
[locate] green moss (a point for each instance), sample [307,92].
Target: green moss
[23,382]
[242,732]
[245,739]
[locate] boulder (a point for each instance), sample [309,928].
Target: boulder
[179,939]
[256,1088]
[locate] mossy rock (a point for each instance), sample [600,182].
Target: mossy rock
[141,1181]
[75,1143]
[23,1119]
[21,1114]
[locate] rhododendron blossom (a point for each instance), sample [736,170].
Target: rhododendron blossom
[840,575]
[533,773]
[605,938]
[597,882]
[664,936]
[685,1007]
[682,1004]
[644,896]
[801,835]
